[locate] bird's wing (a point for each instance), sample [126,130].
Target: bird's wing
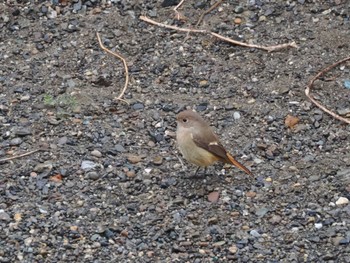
[210,142]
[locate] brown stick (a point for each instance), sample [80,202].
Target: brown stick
[120,97]
[267,48]
[310,86]
[208,11]
[18,156]
[178,15]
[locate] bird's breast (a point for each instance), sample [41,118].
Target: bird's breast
[190,151]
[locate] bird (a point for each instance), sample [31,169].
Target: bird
[199,144]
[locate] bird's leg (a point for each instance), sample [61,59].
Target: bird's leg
[205,170]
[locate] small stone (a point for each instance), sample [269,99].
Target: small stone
[245,227]
[4,216]
[237,21]
[219,243]
[275,219]
[25,98]
[202,107]
[201,251]
[342,201]
[93,175]
[212,221]
[158,160]
[336,240]
[261,211]
[16,141]
[239,9]
[96,153]
[236,115]
[62,140]
[119,148]
[344,111]
[134,159]
[318,225]
[262,18]
[213,197]
[87,165]
[233,249]
[150,254]
[131,174]
[250,194]
[203,83]
[255,233]
[23,132]
[138,106]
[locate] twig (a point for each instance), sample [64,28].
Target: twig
[178,15]
[267,48]
[120,97]
[310,86]
[208,11]
[148,20]
[19,156]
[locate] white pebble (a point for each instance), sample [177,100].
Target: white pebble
[318,225]
[236,115]
[342,201]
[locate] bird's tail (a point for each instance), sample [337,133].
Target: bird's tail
[237,164]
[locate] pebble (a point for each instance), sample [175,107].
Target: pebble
[16,141]
[202,107]
[131,174]
[342,201]
[87,165]
[237,20]
[213,197]
[158,160]
[134,159]
[25,98]
[236,115]
[250,194]
[23,132]
[275,219]
[318,225]
[233,249]
[93,175]
[96,153]
[4,216]
[261,211]
[255,233]
[239,9]
[344,111]
[119,148]
[138,106]
[219,243]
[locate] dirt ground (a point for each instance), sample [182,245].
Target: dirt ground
[108,183]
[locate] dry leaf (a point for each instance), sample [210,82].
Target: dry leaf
[291,121]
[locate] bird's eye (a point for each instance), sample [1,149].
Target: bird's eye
[184,120]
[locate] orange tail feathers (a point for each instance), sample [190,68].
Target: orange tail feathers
[237,164]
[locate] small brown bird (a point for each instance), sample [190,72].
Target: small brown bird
[199,144]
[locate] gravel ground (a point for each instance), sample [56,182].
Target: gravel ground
[107,184]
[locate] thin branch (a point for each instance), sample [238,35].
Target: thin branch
[19,156]
[178,15]
[208,11]
[120,97]
[229,40]
[310,86]
[148,20]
